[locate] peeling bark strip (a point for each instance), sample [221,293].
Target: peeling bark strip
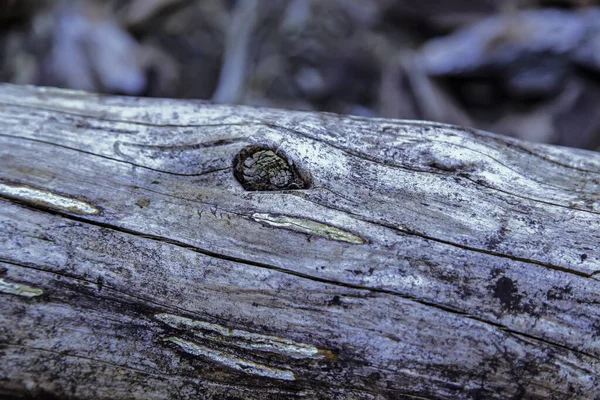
[307,226]
[231,361]
[244,339]
[46,199]
[154,248]
[18,289]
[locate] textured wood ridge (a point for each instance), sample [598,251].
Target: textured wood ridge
[397,260]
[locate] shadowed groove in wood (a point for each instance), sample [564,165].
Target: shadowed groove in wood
[413,232]
[503,141]
[273,125]
[460,246]
[441,307]
[111,158]
[380,161]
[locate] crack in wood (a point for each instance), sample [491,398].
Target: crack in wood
[457,245]
[123,161]
[92,359]
[402,123]
[412,169]
[504,303]
[341,148]
[91,283]
[310,277]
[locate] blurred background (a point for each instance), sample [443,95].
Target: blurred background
[528,69]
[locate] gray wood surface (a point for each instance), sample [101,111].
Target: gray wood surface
[419,261]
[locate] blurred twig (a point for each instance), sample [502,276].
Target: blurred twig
[237,48]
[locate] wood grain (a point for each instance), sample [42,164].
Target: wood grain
[424,261]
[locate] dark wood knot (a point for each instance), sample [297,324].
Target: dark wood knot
[265,168]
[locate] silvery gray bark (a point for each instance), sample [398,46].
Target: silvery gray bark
[422,261]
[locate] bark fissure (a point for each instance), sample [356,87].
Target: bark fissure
[357,215]
[458,245]
[404,167]
[157,373]
[124,161]
[294,273]
[140,300]
[501,141]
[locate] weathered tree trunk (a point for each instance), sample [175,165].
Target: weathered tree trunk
[155,249]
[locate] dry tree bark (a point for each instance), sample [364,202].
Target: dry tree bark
[154,248]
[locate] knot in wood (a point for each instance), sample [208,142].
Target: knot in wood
[262,168]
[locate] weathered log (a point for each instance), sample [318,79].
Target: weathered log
[154,248]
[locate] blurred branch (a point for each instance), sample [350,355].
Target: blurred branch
[235,61]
